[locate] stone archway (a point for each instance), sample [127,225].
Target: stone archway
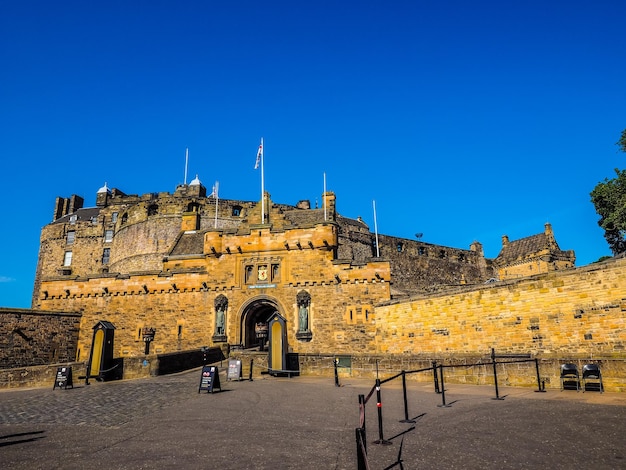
[257,310]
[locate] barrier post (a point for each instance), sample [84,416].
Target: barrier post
[435,377]
[361,453]
[251,364]
[443,390]
[539,387]
[379,405]
[406,406]
[362,424]
[336,363]
[495,373]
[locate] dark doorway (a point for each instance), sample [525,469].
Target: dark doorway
[258,312]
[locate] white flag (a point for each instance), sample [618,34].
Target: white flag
[259,155]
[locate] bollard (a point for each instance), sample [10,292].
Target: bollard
[435,377]
[406,407]
[541,386]
[362,419]
[336,363]
[251,364]
[443,390]
[361,453]
[379,406]
[495,374]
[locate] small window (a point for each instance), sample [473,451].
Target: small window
[71,236]
[180,331]
[421,250]
[108,236]
[106,255]
[236,211]
[399,247]
[114,217]
[67,260]
[73,219]
[461,257]
[94,220]
[153,209]
[124,219]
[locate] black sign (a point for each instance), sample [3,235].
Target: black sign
[210,379]
[234,370]
[63,378]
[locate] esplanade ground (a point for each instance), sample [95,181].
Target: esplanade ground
[305,423]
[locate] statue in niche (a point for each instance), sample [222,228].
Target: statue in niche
[303,300]
[221,304]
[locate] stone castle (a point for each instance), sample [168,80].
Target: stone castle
[179,271]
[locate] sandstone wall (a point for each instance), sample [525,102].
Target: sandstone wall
[578,313]
[30,337]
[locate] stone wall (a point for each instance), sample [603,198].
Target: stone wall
[577,313]
[29,337]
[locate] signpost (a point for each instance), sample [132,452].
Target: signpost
[210,379]
[63,378]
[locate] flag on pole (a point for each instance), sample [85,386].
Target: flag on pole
[259,155]
[215,189]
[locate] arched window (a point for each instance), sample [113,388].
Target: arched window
[153,209]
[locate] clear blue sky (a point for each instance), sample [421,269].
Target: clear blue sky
[463,120]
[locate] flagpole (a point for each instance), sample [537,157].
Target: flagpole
[324,197]
[376,230]
[262,184]
[186,162]
[215,190]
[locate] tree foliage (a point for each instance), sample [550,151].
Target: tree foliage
[609,199]
[621,143]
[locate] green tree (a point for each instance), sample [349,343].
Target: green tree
[609,199]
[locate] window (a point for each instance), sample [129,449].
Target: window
[124,219]
[421,250]
[71,236]
[236,211]
[399,247]
[153,209]
[108,236]
[106,255]
[67,260]
[73,219]
[114,217]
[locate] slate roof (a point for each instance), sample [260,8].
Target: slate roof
[189,243]
[524,248]
[82,215]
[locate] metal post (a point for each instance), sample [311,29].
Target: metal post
[406,406]
[495,373]
[435,377]
[336,363]
[361,453]
[443,390]
[379,405]
[363,427]
[251,364]
[539,387]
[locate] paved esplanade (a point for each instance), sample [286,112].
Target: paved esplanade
[305,423]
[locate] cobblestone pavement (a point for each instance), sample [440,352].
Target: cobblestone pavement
[305,423]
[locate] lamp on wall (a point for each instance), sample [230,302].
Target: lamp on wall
[310,244]
[337,278]
[105,290]
[145,288]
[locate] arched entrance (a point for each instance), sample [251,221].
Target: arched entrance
[258,310]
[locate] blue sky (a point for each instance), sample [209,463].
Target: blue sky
[463,120]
